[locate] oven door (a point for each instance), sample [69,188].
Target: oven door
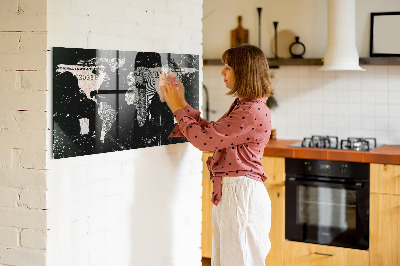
[327,213]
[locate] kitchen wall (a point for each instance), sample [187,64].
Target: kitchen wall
[135,207]
[342,103]
[23,212]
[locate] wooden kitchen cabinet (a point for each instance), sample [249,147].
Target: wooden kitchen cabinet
[384,236]
[206,225]
[385,178]
[277,233]
[305,254]
[274,168]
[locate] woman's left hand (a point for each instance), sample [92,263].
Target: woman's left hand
[171,94]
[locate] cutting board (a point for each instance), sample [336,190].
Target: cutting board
[239,35]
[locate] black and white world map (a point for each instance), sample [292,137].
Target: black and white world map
[110,100]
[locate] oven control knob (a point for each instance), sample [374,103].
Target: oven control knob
[308,166]
[343,168]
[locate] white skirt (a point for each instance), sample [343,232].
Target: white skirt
[241,223]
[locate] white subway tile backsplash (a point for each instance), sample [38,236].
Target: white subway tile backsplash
[292,83]
[354,122]
[381,84]
[342,81]
[329,93]
[316,82]
[342,122]
[278,83]
[329,109]
[381,97]
[394,83]
[342,133]
[317,120]
[316,72]
[317,95]
[369,70]
[354,80]
[394,97]
[305,94]
[328,74]
[380,71]
[304,109]
[317,108]
[367,83]
[355,96]
[381,110]
[367,133]
[394,137]
[394,123]
[381,136]
[355,132]
[342,96]
[367,96]
[329,122]
[293,120]
[393,71]
[291,71]
[394,110]
[304,72]
[342,109]
[303,82]
[381,122]
[355,103]
[368,123]
[367,110]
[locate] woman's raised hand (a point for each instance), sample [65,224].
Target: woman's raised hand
[181,91]
[174,93]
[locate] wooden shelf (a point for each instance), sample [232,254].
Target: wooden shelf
[380,61]
[274,63]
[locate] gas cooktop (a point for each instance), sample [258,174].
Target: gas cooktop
[332,142]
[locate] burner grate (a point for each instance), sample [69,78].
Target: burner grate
[327,142]
[358,144]
[332,142]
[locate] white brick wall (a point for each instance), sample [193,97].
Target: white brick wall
[22,132]
[136,207]
[108,209]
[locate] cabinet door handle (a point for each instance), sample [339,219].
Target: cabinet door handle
[325,254]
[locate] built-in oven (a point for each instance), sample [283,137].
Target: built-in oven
[327,202]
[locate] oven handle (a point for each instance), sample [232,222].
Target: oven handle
[357,185]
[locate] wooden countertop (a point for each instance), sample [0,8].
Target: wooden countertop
[389,154]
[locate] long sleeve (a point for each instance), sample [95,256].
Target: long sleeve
[231,130]
[193,113]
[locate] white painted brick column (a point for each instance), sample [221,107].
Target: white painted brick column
[23,128]
[133,207]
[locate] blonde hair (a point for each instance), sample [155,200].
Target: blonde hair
[250,66]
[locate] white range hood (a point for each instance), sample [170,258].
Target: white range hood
[341,51]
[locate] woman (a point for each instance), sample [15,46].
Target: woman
[242,207]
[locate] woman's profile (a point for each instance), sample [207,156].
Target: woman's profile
[242,208]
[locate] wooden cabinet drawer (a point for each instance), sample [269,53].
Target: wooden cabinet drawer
[305,254]
[385,178]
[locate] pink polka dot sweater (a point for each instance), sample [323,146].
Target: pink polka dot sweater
[238,139]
